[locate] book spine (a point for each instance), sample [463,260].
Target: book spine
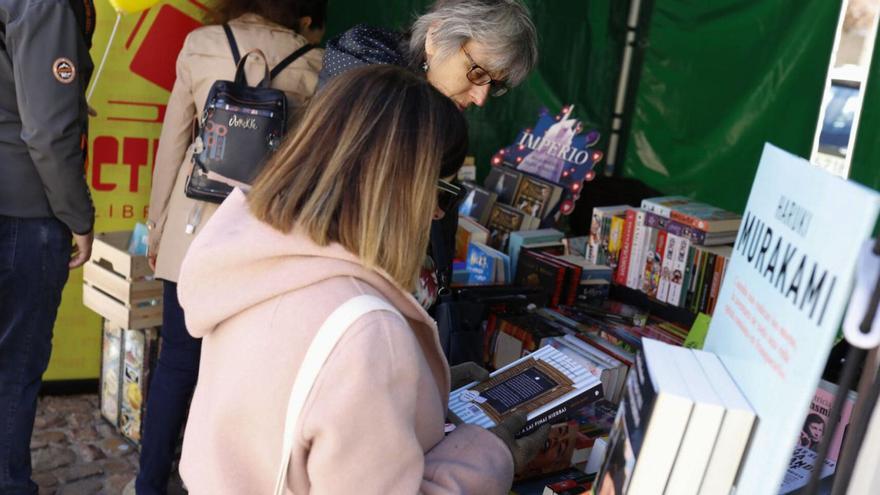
[689,220]
[614,239]
[707,283]
[678,269]
[595,236]
[602,258]
[563,412]
[574,280]
[650,275]
[657,208]
[720,261]
[621,275]
[669,251]
[637,252]
[696,274]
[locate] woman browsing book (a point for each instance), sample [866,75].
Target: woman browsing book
[343,210]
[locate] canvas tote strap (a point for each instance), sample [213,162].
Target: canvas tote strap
[322,345]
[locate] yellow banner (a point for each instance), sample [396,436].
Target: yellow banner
[130,97]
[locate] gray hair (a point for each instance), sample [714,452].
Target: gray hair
[503,27]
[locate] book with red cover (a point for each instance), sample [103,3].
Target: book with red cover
[623,259]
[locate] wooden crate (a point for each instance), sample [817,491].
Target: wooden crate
[119,286]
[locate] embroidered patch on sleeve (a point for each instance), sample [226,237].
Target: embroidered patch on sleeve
[64,70]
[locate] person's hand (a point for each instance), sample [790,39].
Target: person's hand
[464,373]
[82,249]
[522,449]
[152,246]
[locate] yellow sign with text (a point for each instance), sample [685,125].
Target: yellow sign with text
[130,97]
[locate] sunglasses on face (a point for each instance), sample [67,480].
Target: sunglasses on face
[481,77]
[449,195]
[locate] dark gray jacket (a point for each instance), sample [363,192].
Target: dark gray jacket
[44,70]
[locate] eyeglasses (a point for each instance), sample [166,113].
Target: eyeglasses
[449,195]
[481,77]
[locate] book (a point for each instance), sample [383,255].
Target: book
[546,385]
[530,238]
[681,256]
[536,271]
[504,182]
[468,231]
[537,197]
[576,246]
[637,257]
[615,237]
[803,462]
[649,427]
[703,427]
[556,454]
[518,335]
[774,324]
[699,215]
[621,274]
[477,203]
[669,252]
[735,431]
[487,266]
[599,242]
[816,424]
[503,220]
[695,236]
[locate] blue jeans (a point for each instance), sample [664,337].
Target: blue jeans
[34,253]
[171,389]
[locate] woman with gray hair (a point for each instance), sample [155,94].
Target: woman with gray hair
[469,50]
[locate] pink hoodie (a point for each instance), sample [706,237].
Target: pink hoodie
[373,423]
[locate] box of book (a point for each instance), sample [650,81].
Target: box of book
[111,372]
[546,385]
[119,286]
[140,348]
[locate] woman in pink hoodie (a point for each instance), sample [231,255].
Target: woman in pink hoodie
[343,210]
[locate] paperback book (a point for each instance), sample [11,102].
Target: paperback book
[546,385]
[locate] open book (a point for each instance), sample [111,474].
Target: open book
[547,384]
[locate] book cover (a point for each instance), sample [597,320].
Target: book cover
[816,424]
[546,385]
[477,203]
[534,271]
[111,370]
[504,182]
[649,427]
[784,294]
[536,197]
[526,238]
[140,349]
[503,220]
[468,231]
[486,266]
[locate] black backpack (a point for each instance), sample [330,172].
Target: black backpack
[240,127]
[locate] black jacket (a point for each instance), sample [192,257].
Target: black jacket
[44,70]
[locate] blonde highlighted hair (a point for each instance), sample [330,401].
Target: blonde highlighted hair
[362,166]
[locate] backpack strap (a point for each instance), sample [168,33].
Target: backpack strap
[233,45]
[289,60]
[330,333]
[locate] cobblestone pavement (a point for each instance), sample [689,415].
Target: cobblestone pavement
[74,451]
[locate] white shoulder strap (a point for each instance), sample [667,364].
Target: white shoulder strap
[322,345]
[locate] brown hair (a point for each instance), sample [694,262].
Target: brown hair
[361,168]
[284,12]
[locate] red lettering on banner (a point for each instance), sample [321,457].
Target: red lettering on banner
[105,150]
[134,154]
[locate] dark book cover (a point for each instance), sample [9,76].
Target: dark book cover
[534,271]
[536,197]
[503,220]
[477,203]
[503,181]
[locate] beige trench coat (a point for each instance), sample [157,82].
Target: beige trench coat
[205,58]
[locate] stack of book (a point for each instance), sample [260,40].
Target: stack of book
[673,249]
[682,428]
